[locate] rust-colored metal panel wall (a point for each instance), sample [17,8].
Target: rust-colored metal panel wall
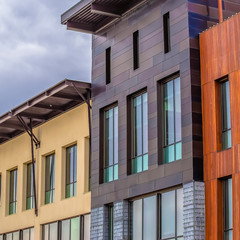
[220,57]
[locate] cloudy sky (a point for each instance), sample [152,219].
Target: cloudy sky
[36,51]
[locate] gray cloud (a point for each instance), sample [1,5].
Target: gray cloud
[36,51]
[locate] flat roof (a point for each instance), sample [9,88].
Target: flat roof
[54,101]
[92,16]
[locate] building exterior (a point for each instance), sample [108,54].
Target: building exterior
[220,71]
[59,118]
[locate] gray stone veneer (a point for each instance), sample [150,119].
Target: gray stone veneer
[193,216]
[194,211]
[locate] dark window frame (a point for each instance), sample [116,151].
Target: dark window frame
[108,65]
[166,32]
[130,129]
[160,116]
[136,50]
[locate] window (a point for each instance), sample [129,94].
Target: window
[12,236]
[167,222]
[50,231]
[139,133]
[71,171]
[135,50]
[227,209]
[70,229]
[13,192]
[50,179]
[110,222]
[28,234]
[172,126]
[30,190]
[110,155]
[166,32]
[225,115]
[108,65]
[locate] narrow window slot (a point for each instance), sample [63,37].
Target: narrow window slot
[135,50]
[108,65]
[166,31]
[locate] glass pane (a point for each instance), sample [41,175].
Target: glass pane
[228,235]
[74,189]
[109,137]
[137,220]
[226,140]
[145,162]
[180,212]
[178,120]
[71,165]
[168,153]
[228,223]
[116,172]
[45,232]
[26,234]
[178,147]
[149,218]
[47,197]
[115,135]
[16,236]
[110,222]
[32,234]
[53,231]
[225,102]
[168,214]
[12,208]
[66,230]
[137,165]
[168,105]
[9,236]
[75,163]
[1,237]
[108,174]
[75,228]
[137,126]
[87,223]
[69,190]
[30,203]
[145,123]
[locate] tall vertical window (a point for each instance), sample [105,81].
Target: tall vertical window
[108,65]
[110,222]
[225,115]
[135,50]
[71,171]
[12,236]
[111,144]
[70,229]
[50,231]
[166,32]
[171,217]
[13,192]
[50,179]
[30,190]
[139,127]
[172,126]
[28,234]
[86,227]
[227,209]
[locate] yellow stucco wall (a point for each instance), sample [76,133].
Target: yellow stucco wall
[55,135]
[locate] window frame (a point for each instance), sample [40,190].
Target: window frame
[10,190]
[166,32]
[130,129]
[31,194]
[136,50]
[51,190]
[74,182]
[158,213]
[161,121]
[108,65]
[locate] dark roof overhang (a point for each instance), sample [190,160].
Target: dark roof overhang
[54,101]
[92,16]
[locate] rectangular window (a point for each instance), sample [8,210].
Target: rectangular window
[50,179]
[227,209]
[108,65]
[172,126]
[28,234]
[110,221]
[225,115]
[86,227]
[139,135]
[168,221]
[135,50]
[30,191]
[13,192]
[166,32]
[12,236]
[50,231]
[71,171]
[70,229]
[110,144]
